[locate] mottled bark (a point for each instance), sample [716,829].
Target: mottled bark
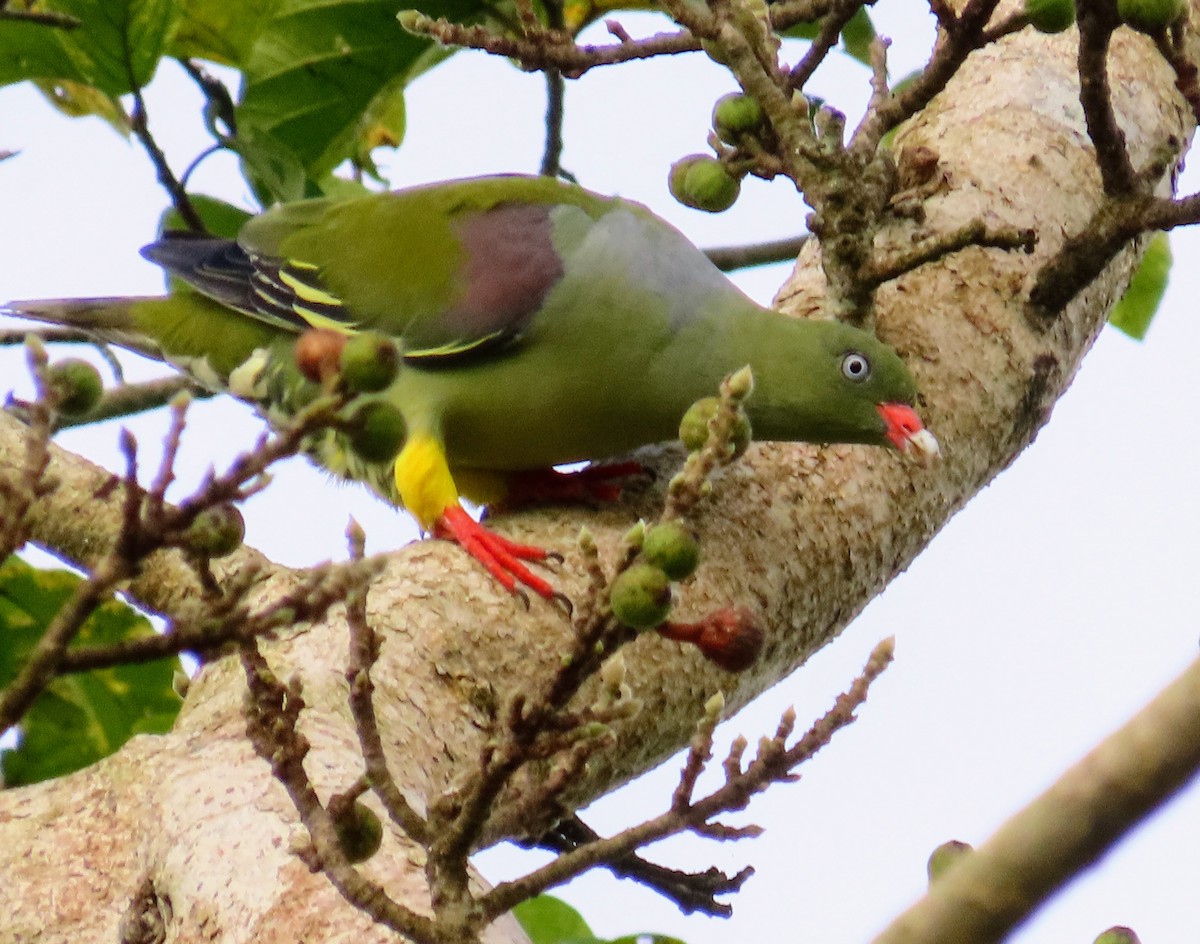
[190,826]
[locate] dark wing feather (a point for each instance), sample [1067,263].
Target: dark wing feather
[215,267]
[287,295]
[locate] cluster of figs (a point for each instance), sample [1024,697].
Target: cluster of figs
[1146,16]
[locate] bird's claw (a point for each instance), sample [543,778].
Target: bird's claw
[503,558]
[565,602]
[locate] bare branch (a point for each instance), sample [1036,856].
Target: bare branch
[131,399]
[930,250]
[1096,22]
[545,51]
[774,764]
[691,891]
[1130,774]
[272,711]
[364,651]
[963,35]
[840,13]
[179,197]
[730,258]
[552,151]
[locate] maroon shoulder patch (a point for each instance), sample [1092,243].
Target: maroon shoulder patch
[510,265]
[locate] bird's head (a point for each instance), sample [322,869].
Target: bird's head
[844,385]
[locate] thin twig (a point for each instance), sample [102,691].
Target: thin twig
[1187,76]
[364,651]
[731,258]
[272,711]
[42,666]
[571,59]
[555,97]
[179,197]
[772,765]
[18,494]
[963,35]
[832,25]
[215,626]
[691,891]
[131,399]
[1096,24]
[937,247]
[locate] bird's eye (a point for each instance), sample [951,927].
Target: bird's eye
[856,367]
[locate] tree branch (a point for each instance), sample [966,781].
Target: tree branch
[730,258]
[987,892]
[1096,21]
[807,535]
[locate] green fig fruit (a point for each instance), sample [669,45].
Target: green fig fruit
[703,183]
[359,831]
[215,532]
[736,115]
[693,428]
[672,547]
[1118,935]
[369,362]
[377,431]
[77,385]
[1150,16]
[641,596]
[1050,16]
[945,856]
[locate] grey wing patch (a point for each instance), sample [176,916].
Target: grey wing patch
[216,267]
[510,264]
[286,294]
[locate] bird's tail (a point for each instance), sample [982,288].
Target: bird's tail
[107,320]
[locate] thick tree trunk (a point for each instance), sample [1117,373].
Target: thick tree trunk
[191,828]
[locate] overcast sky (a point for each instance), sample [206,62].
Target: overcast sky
[1051,608]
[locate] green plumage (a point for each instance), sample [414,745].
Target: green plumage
[538,324]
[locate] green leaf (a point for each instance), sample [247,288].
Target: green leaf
[1137,307]
[857,35]
[77,101]
[220,31]
[219,218]
[320,64]
[115,49]
[382,125]
[550,920]
[84,716]
[272,168]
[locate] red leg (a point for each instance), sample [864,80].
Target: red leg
[593,483]
[502,557]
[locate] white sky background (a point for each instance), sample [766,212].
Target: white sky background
[1046,613]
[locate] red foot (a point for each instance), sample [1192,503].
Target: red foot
[499,555]
[593,483]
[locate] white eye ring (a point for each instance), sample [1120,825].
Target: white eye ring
[856,367]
